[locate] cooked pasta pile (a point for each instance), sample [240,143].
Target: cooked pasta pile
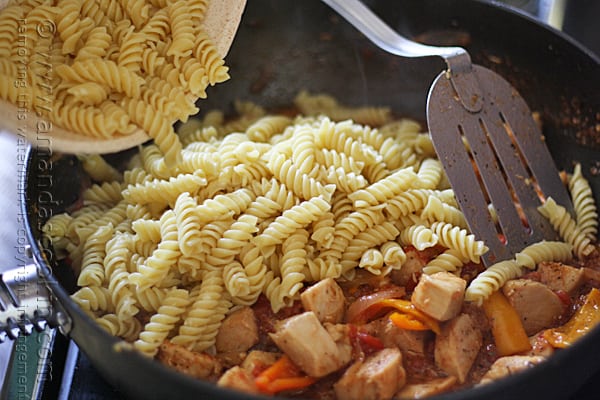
[107,68]
[265,204]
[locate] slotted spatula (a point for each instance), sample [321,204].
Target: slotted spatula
[486,138]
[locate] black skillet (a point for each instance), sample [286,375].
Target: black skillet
[284,47]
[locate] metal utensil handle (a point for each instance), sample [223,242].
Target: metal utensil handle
[363,19]
[26,304]
[457,59]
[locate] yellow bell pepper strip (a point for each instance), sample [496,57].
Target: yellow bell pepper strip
[407,321]
[283,375]
[584,319]
[507,327]
[402,307]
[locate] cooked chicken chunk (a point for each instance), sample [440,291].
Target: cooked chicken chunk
[340,333]
[378,377]
[457,346]
[558,276]
[326,299]
[439,295]
[526,296]
[423,390]
[406,276]
[509,365]
[238,332]
[405,340]
[257,361]
[308,344]
[239,379]
[198,365]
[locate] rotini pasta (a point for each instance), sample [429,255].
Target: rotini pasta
[167,249]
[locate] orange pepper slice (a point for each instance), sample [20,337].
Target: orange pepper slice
[507,328]
[407,308]
[586,318]
[407,321]
[282,375]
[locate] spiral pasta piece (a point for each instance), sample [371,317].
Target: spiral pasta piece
[450,261]
[157,330]
[93,298]
[104,72]
[301,184]
[116,259]
[384,189]
[459,239]
[534,254]
[566,227]
[296,217]
[393,254]
[418,236]
[163,191]
[188,223]
[372,261]
[583,203]
[293,260]
[157,266]
[204,316]
[492,279]
[182,29]
[436,210]
[92,269]
[158,127]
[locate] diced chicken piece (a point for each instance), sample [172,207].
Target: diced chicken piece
[258,360]
[439,295]
[457,346]
[405,340]
[326,299]
[340,333]
[509,365]
[308,344]
[238,332]
[378,377]
[239,379]
[411,268]
[198,365]
[558,276]
[540,346]
[537,305]
[423,390]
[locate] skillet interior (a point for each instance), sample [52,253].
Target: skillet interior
[283,47]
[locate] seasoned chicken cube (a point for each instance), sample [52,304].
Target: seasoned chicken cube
[238,332]
[340,333]
[457,346]
[308,344]
[509,365]
[439,295]
[558,276]
[239,379]
[427,389]
[257,361]
[540,346]
[378,377]
[404,339]
[537,305]
[326,299]
[198,365]
[411,268]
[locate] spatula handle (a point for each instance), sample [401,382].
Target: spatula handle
[363,19]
